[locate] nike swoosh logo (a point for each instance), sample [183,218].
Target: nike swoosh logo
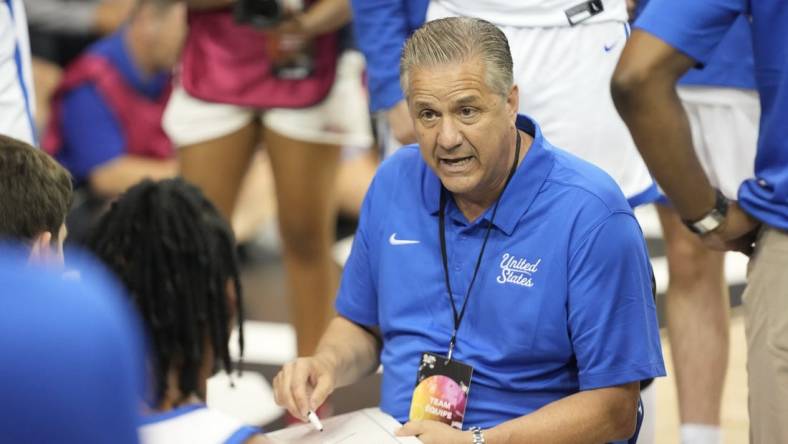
[394,241]
[609,47]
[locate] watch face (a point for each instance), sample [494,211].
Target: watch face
[713,219]
[709,223]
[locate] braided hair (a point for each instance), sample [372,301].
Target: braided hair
[176,256]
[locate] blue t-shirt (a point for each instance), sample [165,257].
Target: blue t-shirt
[563,300]
[92,134]
[73,360]
[381,28]
[697,31]
[731,65]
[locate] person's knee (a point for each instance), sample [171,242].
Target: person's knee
[305,238]
[690,263]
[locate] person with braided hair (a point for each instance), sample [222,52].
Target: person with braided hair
[176,255]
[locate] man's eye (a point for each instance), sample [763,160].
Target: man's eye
[468,111]
[427,115]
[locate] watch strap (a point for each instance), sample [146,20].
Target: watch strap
[478,435]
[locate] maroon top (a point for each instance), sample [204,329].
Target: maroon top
[227,63]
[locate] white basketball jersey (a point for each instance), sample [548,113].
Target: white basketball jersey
[538,13]
[195,424]
[17,99]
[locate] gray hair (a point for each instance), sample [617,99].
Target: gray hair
[457,40]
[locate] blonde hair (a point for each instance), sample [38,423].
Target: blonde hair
[456,40]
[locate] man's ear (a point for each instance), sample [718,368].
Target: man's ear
[513,101]
[41,249]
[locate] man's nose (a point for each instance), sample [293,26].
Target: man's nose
[449,134]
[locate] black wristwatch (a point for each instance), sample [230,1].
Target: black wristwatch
[478,437]
[713,219]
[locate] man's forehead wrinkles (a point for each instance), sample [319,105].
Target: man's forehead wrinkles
[460,96]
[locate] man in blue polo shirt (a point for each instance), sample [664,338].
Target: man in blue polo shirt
[490,248]
[669,44]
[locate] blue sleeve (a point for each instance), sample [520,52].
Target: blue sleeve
[612,313]
[243,435]
[91,133]
[381,28]
[357,298]
[693,27]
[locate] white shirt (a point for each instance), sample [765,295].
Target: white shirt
[532,13]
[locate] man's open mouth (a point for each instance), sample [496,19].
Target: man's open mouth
[457,162]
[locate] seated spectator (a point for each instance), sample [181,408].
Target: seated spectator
[72,357]
[176,255]
[106,115]
[35,194]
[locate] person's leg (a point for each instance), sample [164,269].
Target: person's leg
[215,145]
[697,315]
[255,209]
[305,178]
[218,166]
[766,327]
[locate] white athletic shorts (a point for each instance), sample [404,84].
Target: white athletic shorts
[563,74]
[17,100]
[724,123]
[341,119]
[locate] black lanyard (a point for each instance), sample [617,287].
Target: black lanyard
[442,228]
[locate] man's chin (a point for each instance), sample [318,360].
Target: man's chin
[457,185]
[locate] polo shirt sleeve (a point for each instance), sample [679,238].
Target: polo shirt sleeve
[693,27]
[91,133]
[357,297]
[612,314]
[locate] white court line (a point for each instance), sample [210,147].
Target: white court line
[268,343]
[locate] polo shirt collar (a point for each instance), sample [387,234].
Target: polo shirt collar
[521,191]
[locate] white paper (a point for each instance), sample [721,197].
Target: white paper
[360,427]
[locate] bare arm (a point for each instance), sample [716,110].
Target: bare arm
[116,176]
[352,351]
[644,91]
[322,17]
[401,123]
[345,354]
[592,416]
[208,4]
[325,16]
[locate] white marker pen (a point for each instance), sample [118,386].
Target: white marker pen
[312,417]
